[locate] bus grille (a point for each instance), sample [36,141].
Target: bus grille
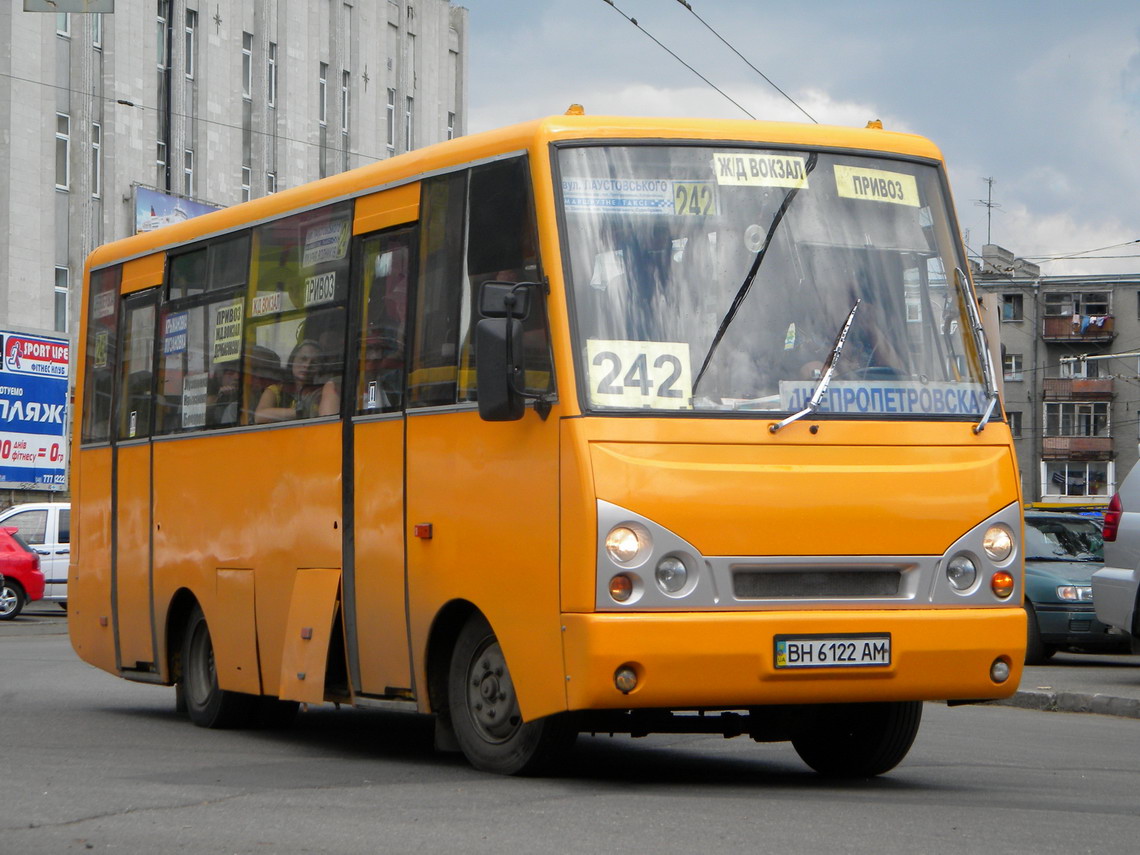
[815,584]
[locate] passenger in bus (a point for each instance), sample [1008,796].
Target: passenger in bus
[298,396]
[224,394]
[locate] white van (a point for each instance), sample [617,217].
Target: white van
[46,528]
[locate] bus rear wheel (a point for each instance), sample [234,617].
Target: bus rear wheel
[206,703]
[858,740]
[485,710]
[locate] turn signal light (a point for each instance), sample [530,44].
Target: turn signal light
[1002,584]
[621,588]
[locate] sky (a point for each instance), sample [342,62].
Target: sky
[1039,95]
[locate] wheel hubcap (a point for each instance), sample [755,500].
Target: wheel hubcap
[7,601]
[491,697]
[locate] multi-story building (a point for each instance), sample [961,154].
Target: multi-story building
[1075,421]
[198,104]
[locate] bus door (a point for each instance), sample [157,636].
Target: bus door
[131,542]
[374,575]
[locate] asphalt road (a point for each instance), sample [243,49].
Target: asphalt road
[92,763]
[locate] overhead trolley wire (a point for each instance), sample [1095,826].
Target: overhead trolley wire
[746,62]
[664,48]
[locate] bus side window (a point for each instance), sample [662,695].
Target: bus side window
[137,370]
[102,353]
[296,318]
[386,262]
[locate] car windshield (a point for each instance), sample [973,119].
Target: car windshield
[717,279]
[1057,539]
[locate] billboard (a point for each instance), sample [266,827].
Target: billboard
[34,380]
[153,210]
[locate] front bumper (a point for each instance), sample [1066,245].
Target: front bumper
[1075,626]
[718,660]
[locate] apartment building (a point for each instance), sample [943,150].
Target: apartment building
[1076,422]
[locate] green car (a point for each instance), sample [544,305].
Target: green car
[1062,551]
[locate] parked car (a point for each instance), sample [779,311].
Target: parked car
[46,528]
[23,581]
[1116,586]
[1062,551]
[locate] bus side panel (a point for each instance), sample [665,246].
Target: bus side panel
[378,490]
[579,520]
[89,583]
[266,500]
[132,563]
[490,492]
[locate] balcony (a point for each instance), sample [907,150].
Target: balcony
[1076,448]
[1079,389]
[1086,328]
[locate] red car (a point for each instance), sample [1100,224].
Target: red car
[21,580]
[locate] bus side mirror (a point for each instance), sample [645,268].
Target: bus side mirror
[500,371]
[498,344]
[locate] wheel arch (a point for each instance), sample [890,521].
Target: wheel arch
[437,656]
[177,616]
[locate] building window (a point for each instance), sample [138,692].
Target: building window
[160,31]
[270,182]
[1077,418]
[391,119]
[191,32]
[246,178]
[160,160]
[271,96]
[62,151]
[1081,368]
[188,173]
[1012,366]
[344,102]
[1014,417]
[96,159]
[1076,477]
[1011,307]
[63,24]
[322,91]
[246,65]
[409,115]
[97,30]
[451,126]
[1065,303]
[62,281]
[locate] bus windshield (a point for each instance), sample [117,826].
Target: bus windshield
[716,278]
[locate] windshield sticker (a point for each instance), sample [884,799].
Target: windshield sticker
[760,170]
[227,331]
[904,397]
[620,195]
[328,242]
[695,198]
[875,185]
[640,374]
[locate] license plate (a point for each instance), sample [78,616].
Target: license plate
[832,651]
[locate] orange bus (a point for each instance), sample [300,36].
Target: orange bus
[590,424]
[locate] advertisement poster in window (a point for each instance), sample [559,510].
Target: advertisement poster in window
[34,380]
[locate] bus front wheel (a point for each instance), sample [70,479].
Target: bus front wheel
[858,740]
[206,703]
[485,710]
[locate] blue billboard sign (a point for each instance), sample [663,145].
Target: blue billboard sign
[34,380]
[153,210]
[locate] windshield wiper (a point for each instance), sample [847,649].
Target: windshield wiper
[825,375]
[746,285]
[982,344]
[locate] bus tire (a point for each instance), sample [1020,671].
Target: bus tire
[859,740]
[485,711]
[1037,652]
[206,704]
[12,599]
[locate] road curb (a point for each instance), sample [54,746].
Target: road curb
[1075,702]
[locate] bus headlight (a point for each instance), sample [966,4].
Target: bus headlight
[671,574]
[625,544]
[961,572]
[998,543]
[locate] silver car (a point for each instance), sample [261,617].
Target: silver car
[1115,586]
